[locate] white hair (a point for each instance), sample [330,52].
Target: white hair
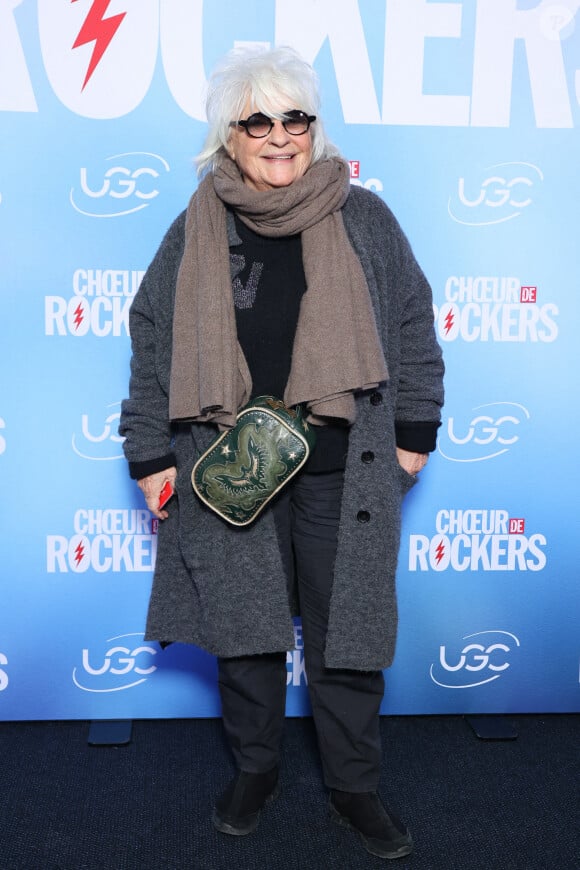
[272,81]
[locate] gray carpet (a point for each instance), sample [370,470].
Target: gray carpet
[470,804]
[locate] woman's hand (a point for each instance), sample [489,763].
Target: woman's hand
[151,487]
[413,463]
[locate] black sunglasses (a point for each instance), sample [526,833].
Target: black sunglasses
[258,125]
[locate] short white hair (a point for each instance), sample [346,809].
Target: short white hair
[272,81]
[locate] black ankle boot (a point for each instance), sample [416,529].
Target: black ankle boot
[237,811]
[382,833]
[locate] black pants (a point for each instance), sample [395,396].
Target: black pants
[345,703]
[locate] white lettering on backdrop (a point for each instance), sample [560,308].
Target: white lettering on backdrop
[174,28]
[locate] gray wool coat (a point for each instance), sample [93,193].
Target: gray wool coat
[223,588]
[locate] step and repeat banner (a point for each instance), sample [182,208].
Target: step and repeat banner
[464,117]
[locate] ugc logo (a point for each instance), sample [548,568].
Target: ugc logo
[483,659]
[487,431]
[124,664]
[3,674]
[127,185]
[98,440]
[500,193]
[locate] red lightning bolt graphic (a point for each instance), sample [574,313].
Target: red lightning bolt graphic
[448,321]
[439,551]
[97,29]
[79,553]
[78,315]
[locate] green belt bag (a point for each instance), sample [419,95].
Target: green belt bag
[247,465]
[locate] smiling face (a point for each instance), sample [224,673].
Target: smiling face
[274,161]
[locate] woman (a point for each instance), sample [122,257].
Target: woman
[280,279]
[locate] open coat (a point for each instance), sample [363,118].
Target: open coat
[223,588]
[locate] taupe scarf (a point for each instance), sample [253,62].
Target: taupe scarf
[336,348]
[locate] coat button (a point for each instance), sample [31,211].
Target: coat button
[376,398]
[363,516]
[367,456]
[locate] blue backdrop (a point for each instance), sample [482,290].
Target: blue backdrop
[462,115]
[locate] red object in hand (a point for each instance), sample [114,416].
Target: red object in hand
[165,494]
